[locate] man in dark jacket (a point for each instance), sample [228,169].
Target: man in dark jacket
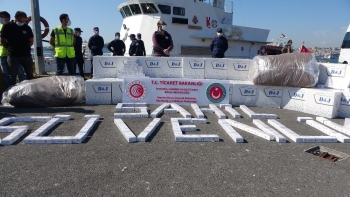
[219,45]
[142,45]
[78,47]
[162,41]
[17,38]
[135,49]
[117,46]
[95,45]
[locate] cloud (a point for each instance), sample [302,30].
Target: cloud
[324,43]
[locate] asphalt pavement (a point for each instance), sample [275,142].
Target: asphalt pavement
[107,165]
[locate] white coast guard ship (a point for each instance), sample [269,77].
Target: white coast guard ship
[192,25]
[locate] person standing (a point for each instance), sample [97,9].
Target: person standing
[219,45]
[63,40]
[142,44]
[95,45]
[162,41]
[78,48]
[5,68]
[17,37]
[117,46]
[134,49]
[288,47]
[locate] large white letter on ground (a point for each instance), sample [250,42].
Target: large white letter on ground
[37,136]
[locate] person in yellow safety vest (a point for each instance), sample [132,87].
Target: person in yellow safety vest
[63,40]
[5,68]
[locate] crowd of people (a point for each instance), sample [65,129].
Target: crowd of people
[17,40]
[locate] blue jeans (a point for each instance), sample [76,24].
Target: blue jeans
[61,62]
[6,71]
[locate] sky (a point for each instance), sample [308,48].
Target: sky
[320,23]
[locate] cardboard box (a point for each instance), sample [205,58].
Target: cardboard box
[148,130]
[332,70]
[323,102]
[162,67]
[188,128]
[215,68]
[99,91]
[95,117]
[344,108]
[269,96]
[62,140]
[63,117]
[251,130]
[238,69]
[233,112]
[294,98]
[117,91]
[197,110]
[304,119]
[230,131]
[170,111]
[244,93]
[278,137]
[193,68]
[105,66]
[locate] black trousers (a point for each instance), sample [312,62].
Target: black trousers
[15,62]
[218,55]
[79,60]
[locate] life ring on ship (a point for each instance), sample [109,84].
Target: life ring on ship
[262,50]
[45,23]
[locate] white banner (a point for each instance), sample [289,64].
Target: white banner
[172,90]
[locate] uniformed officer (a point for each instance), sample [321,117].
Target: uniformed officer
[96,44]
[79,56]
[142,44]
[135,49]
[219,45]
[117,46]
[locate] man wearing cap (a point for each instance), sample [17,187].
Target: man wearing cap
[142,45]
[5,68]
[162,41]
[135,49]
[95,45]
[78,48]
[117,46]
[17,37]
[219,45]
[63,40]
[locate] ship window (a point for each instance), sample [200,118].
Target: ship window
[179,11]
[346,42]
[180,20]
[135,9]
[127,11]
[122,13]
[165,9]
[149,8]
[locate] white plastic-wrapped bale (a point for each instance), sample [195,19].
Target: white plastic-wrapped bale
[289,69]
